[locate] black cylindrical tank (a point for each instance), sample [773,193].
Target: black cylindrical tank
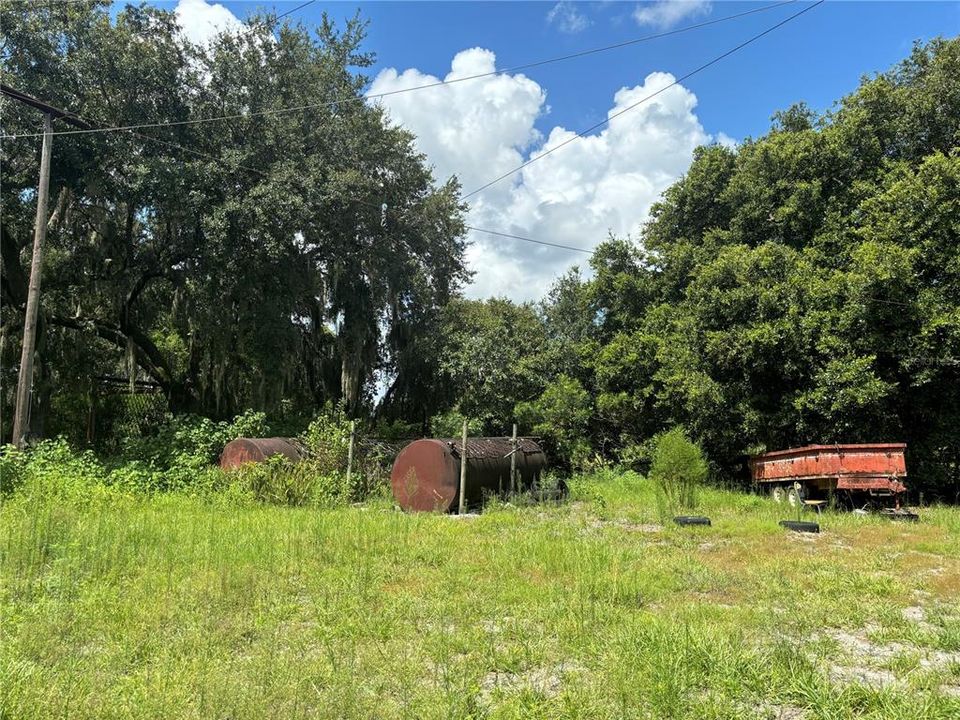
[426,473]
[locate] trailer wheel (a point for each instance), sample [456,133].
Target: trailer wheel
[796,497]
[777,493]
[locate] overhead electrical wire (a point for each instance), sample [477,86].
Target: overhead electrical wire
[652,95]
[426,86]
[529,240]
[298,7]
[48,4]
[132,129]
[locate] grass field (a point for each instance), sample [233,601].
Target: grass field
[167,607]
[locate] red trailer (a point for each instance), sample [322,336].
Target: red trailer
[859,473]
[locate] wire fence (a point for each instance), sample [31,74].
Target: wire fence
[112,410]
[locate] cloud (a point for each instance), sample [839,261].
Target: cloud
[576,196]
[663,14]
[568,18]
[201,21]
[728,142]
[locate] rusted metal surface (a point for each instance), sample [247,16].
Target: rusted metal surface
[877,467]
[245,450]
[426,473]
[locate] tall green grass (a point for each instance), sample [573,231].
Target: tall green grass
[170,606]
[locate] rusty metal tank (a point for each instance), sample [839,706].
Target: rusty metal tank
[426,473]
[244,450]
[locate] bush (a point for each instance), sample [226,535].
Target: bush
[328,439]
[182,457]
[677,469]
[281,482]
[51,469]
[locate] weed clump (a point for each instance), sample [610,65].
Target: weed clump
[677,470]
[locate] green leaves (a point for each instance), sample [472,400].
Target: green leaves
[249,259]
[803,288]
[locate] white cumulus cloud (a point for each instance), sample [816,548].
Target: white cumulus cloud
[566,17]
[201,21]
[667,13]
[602,183]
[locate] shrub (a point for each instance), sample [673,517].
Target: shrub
[328,439]
[193,441]
[282,482]
[677,469]
[51,469]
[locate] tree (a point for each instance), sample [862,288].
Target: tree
[561,417]
[802,288]
[490,359]
[238,263]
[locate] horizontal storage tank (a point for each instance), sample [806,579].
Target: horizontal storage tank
[245,450]
[426,473]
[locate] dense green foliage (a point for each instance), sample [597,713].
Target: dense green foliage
[801,288]
[181,459]
[677,470]
[275,257]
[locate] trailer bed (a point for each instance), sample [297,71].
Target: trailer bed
[875,469]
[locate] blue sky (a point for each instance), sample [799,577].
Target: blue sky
[817,59]
[606,183]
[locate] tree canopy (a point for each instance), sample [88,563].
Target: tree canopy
[800,288]
[238,263]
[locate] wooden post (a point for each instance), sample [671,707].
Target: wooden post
[353,428]
[513,460]
[21,417]
[463,472]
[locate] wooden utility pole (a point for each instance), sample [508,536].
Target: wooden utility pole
[463,472]
[353,428]
[21,416]
[513,460]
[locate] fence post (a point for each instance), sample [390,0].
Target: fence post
[463,471]
[513,460]
[353,426]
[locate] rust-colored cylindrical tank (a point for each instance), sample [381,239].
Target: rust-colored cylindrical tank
[244,450]
[426,473]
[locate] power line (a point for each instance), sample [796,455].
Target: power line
[298,7]
[426,86]
[529,240]
[627,109]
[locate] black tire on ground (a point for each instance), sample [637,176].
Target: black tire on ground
[800,526]
[904,515]
[691,520]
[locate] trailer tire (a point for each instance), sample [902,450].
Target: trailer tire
[777,493]
[796,497]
